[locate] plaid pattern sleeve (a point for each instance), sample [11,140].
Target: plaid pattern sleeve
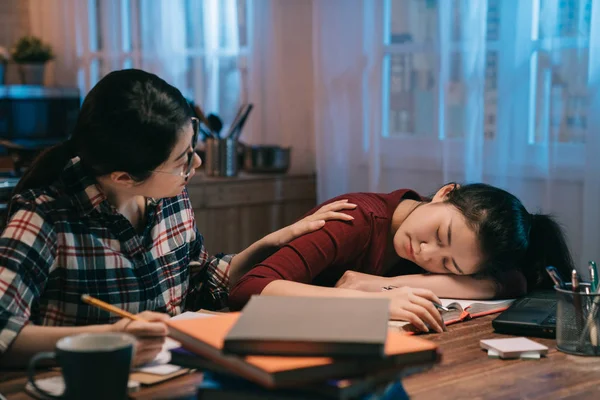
[67,239]
[209,277]
[27,253]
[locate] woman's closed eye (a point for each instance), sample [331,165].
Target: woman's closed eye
[438,238]
[440,244]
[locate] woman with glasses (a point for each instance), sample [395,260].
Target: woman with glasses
[107,214]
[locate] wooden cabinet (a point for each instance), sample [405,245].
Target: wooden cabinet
[232,213]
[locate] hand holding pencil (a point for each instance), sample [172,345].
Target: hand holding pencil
[148,328]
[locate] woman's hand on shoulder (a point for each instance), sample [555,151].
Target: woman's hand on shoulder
[364,282]
[415,306]
[313,222]
[150,334]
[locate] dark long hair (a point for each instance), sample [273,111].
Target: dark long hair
[510,237]
[128,122]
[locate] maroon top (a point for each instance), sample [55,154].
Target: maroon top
[321,257]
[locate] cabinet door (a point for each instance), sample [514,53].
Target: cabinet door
[257,221]
[294,210]
[220,229]
[233,214]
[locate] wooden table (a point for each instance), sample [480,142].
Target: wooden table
[12,386]
[466,372]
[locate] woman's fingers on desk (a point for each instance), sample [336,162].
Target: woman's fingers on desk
[415,306]
[425,309]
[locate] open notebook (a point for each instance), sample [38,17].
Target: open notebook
[461,310]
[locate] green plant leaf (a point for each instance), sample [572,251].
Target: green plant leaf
[31,50]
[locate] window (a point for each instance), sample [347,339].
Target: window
[441,59]
[413,65]
[199,46]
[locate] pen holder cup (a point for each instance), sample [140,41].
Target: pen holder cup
[221,158]
[578,321]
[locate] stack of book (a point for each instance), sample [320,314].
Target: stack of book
[296,348]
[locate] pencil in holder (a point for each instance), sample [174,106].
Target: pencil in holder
[578,321]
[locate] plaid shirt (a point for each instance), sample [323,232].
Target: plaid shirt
[67,240]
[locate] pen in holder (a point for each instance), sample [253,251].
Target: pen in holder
[577,320]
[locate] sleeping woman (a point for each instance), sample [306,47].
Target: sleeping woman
[474,242]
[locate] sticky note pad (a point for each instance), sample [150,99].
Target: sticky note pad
[531,355]
[514,347]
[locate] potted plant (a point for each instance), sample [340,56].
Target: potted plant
[31,55]
[3,60]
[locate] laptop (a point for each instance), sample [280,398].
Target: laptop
[532,315]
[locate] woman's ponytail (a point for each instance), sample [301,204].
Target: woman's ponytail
[46,167]
[547,246]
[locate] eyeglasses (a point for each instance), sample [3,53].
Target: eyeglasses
[185,174]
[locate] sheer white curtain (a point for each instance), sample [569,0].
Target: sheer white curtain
[340,65]
[199,46]
[219,53]
[162,41]
[417,93]
[48,20]
[280,81]
[591,178]
[545,140]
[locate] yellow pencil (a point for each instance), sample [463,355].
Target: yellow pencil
[86,298]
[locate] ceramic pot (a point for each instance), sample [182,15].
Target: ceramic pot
[32,74]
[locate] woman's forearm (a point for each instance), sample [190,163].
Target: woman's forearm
[450,286]
[33,339]
[245,260]
[291,288]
